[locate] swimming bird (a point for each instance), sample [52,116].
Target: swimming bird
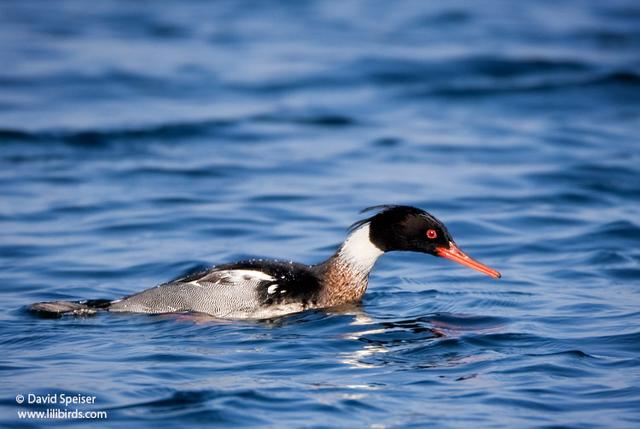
[260,289]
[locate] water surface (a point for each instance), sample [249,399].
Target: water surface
[140,141]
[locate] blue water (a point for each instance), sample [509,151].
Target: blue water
[142,140]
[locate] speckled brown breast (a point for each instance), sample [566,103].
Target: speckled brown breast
[341,283]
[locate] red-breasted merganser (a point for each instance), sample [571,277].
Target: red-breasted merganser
[258,289]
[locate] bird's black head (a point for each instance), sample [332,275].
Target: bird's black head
[406,228]
[412,229]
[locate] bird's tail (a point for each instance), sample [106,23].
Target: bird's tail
[56,309]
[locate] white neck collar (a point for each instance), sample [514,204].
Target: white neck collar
[358,250]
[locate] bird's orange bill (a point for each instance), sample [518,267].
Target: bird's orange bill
[457,255]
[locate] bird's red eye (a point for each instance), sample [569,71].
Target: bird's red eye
[432,234]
